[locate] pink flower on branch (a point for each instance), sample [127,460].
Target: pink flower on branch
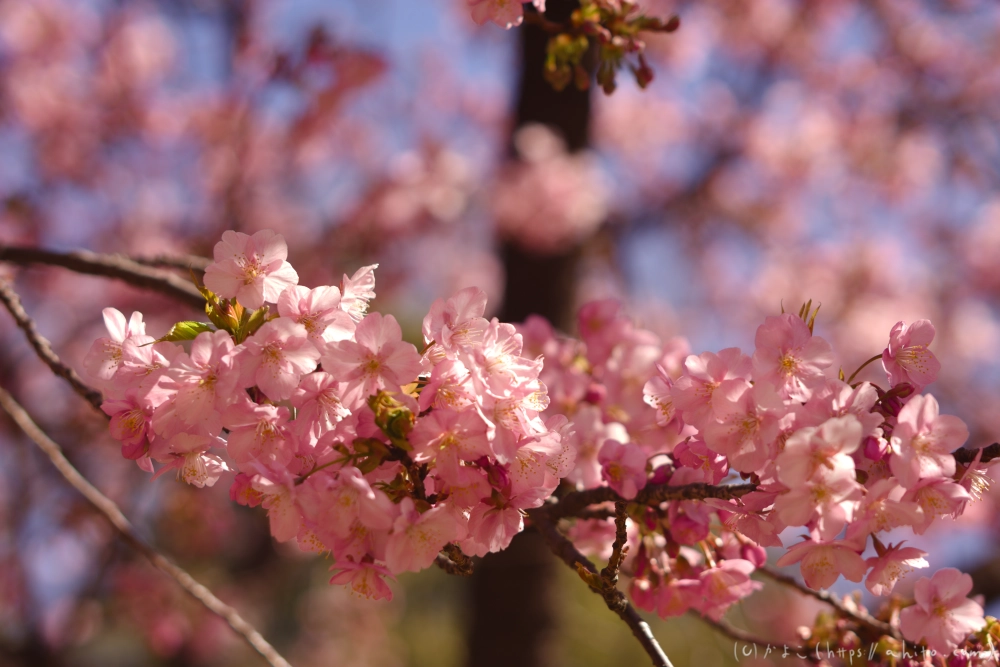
[894,562]
[505,13]
[376,359]
[623,467]
[942,616]
[318,310]
[366,579]
[417,538]
[276,357]
[824,562]
[923,441]
[790,357]
[250,269]
[908,357]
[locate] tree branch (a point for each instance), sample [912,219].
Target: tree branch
[569,554]
[740,635]
[182,262]
[44,348]
[966,455]
[107,507]
[110,266]
[577,501]
[861,617]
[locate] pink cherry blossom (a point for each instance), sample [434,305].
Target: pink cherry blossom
[417,538]
[447,437]
[130,423]
[366,579]
[747,424]
[105,355]
[888,567]
[908,359]
[251,269]
[320,409]
[318,310]
[725,584]
[692,391]
[824,562]
[790,357]
[942,616]
[826,446]
[276,357]
[505,13]
[923,440]
[205,380]
[357,291]
[457,321]
[376,359]
[256,432]
[492,526]
[937,497]
[883,509]
[623,467]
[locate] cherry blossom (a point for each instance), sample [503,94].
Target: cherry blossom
[376,359]
[942,616]
[790,357]
[250,269]
[908,359]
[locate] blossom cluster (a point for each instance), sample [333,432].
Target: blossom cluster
[355,443]
[843,461]
[391,458]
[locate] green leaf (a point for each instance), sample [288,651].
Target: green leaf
[186,331]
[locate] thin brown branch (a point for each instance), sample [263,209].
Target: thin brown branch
[109,266]
[966,456]
[569,554]
[618,550]
[110,510]
[858,616]
[44,349]
[577,501]
[182,262]
[740,635]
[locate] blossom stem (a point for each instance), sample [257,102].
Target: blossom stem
[862,367]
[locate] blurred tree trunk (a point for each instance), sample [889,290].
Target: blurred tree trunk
[512,597]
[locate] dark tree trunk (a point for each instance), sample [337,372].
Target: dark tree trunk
[512,598]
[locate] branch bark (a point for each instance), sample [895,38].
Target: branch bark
[44,349]
[109,266]
[860,617]
[576,502]
[114,515]
[564,549]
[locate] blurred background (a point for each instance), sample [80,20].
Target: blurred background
[846,152]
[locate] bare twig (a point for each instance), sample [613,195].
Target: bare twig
[859,616]
[654,494]
[110,266]
[740,635]
[569,554]
[44,348]
[108,508]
